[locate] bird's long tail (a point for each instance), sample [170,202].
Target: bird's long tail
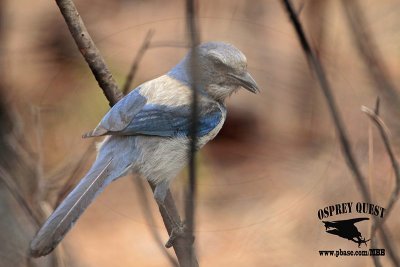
[66,214]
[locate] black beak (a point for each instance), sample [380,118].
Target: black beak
[247,82]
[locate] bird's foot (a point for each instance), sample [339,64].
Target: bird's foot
[179,231]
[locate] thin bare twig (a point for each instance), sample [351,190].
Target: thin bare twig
[135,65]
[113,95]
[374,241]
[317,67]
[374,116]
[168,44]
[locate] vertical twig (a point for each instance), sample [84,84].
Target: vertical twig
[135,65]
[374,242]
[344,142]
[190,196]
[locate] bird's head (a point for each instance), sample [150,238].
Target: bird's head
[221,69]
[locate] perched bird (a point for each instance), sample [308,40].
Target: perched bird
[148,132]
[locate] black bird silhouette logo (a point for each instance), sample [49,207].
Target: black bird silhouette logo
[346,229]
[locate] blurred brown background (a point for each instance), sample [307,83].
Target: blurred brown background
[261,182]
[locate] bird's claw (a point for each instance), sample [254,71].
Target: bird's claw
[179,231]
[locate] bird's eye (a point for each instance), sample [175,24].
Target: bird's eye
[216,59]
[218,62]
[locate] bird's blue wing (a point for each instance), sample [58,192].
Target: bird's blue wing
[133,115]
[167,121]
[120,115]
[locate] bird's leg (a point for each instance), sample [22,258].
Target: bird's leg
[179,229]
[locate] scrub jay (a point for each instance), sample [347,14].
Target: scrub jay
[147,132]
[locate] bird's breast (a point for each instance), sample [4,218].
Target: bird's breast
[161,157]
[213,133]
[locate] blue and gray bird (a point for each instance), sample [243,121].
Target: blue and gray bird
[147,132]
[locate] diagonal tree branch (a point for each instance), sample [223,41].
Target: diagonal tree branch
[107,83]
[319,72]
[89,51]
